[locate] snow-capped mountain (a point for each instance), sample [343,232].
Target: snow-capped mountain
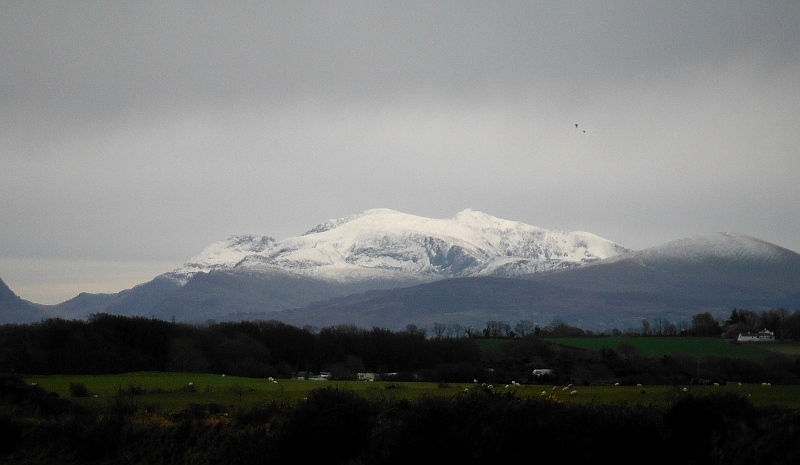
[388,269]
[385,244]
[713,273]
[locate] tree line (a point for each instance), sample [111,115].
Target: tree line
[785,325]
[109,344]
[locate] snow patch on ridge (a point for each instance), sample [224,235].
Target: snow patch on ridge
[384,243]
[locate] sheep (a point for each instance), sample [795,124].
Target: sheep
[616,384]
[685,390]
[543,393]
[716,384]
[574,392]
[565,389]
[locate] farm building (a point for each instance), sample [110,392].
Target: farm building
[761,336]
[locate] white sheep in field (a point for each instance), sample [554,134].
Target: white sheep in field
[544,393]
[685,390]
[574,392]
[716,384]
[616,384]
[565,389]
[555,387]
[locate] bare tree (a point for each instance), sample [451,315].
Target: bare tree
[524,328]
[439,330]
[455,331]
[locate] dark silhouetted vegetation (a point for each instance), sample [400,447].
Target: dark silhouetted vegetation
[107,344]
[339,426]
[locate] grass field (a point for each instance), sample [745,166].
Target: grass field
[171,392]
[694,346]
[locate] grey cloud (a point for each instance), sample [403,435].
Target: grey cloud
[146,130]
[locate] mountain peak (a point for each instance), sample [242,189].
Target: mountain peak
[719,245]
[382,243]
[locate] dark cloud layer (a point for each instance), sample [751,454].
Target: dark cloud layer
[144,131]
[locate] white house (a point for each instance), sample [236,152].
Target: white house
[761,336]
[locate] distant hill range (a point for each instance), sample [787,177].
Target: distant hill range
[388,269]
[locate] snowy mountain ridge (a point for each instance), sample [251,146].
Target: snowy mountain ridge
[718,245]
[386,244]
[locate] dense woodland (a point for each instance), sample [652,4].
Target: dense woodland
[107,344]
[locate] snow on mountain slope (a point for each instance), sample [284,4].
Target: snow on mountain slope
[721,245]
[386,244]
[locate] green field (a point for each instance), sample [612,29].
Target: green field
[694,346]
[171,393]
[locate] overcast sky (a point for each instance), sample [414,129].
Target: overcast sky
[134,134]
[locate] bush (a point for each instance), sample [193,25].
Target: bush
[78,390]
